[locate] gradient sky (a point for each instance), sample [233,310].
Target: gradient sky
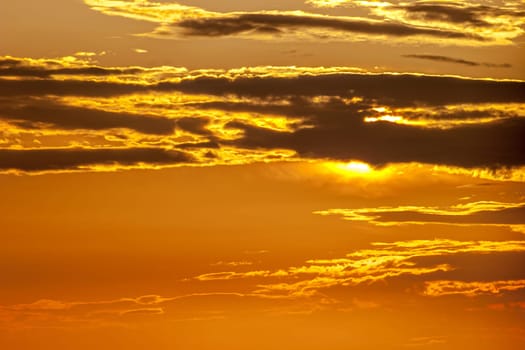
[294,174]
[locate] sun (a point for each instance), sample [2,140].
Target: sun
[356,167]
[352,168]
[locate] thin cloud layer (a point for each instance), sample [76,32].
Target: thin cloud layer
[381,263]
[312,286]
[106,313]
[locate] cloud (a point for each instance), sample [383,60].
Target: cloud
[174,19]
[194,125]
[102,313]
[229,275]
[475,213]
[42,87]
[46,159]
[33,112]
[312,286]
[471,289]
[69,65]
[272,82]
[281,23]
[501,24]
[397,89]
[458,13]
[272,113]
[494,145]
[447,59]
[382,262]
[422,342]
[232,263]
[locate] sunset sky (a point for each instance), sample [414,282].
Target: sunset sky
[280,174]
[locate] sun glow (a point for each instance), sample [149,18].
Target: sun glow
[385,118]
[350,168]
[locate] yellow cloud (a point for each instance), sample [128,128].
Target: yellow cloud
[300,288]
[381,262]
[447,116]
[436,215]
[180,20]
[471,289]
[500,24]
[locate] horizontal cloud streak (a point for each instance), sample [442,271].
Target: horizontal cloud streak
[447,59]
[471,289]
[475,213]
[279,23]
[76,158]
[382,262]
[398,89]
[65,117]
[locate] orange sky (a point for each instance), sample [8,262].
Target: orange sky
[281,174]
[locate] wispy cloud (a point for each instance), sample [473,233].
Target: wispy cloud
[48,313]
[421,266]
[475,213]
[380,263]
[447,59]
[471,289]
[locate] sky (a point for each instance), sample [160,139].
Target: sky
[295,174]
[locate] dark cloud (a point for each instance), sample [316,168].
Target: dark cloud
[10,62]
[331,127]
[208,144]
[391,89]
[475,267]
[17,69]
[497,144]
[31,112]
[194,125]
[48,159]
[274,23]
[45,68]
[458,61]
[457,115]
[40,87]
[454,13]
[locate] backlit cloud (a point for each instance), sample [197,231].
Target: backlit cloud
[174,19]
[250,114]
[475,213]
[471,289]
[59,159]
[380,263]
[500,22]
[312,283]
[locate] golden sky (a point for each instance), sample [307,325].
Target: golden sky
[293,174]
